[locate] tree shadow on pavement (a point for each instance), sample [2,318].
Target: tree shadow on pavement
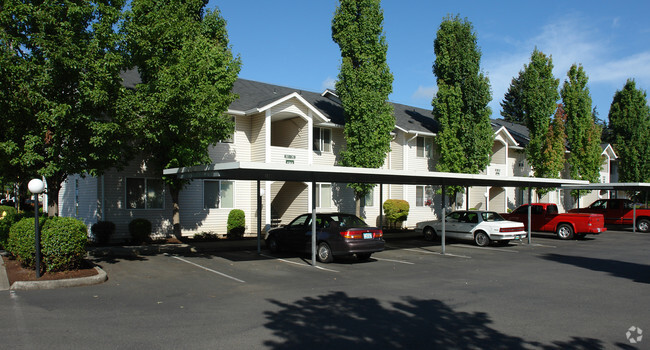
[635,272]
[339,321]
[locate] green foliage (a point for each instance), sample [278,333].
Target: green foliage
[21,242]
[236,223]
[8,216]
[396,211]
[539,97]
[583,134]
[140,230]
[102,231]
[364,84]
[63,243]
[511,106]
[553,149]
[629,118]
[58,90]
[461,104]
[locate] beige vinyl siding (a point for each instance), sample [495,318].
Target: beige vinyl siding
[85,191]
[292,133]
[477,197]
[498,153]
[258,138]
[331,158]
[237,151]
[289,199]
[396,155]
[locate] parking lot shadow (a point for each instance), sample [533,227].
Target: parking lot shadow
[635,272]
[339,321]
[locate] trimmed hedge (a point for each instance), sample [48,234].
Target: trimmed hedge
[140,230]
[63,243]
[396,211]
[8,217]
[21,242]
[102,231]
[236,224]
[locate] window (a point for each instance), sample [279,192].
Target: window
[369,199]
[324,195]
[231,138]
[423,196]
[218,194]
[424,147]
[322,140]
[143,193]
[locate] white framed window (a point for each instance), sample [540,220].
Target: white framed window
[323,195]
[369,199]
[218,194]
[145,193]
[423,196]
[322,139]
[424,147]
[231,138]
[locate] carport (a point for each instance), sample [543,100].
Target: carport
[254,171]
[615,186]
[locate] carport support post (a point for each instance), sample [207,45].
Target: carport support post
[381,206]
[259,218]
[444,190]
[530,202]
[313,223]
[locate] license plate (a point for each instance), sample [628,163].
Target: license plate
[367,235]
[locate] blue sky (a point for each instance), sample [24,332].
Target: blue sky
[289,42]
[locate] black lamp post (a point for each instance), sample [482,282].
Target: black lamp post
[36,187]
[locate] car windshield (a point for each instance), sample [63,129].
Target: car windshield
[491,216]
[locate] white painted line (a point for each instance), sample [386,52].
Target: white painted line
[397,261]
[296,263]
[208,269]
[487,248]
[438,253]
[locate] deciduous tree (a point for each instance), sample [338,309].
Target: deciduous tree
[187,70]
[364,83]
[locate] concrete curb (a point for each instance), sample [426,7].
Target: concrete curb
[101,277]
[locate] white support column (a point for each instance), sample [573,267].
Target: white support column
[267,136]
[310,138]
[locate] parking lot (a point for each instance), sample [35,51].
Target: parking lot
[551,294]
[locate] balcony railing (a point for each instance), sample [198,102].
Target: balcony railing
[286,155]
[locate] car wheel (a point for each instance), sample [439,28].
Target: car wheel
[324,253]
[429,233]
[481,239]
[363,256]
[272,244]
[643,225]
[565,231]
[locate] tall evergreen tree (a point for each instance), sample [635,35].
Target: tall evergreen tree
[461,104]
[629,119]
[583,134]
[187,70]
[511,106]
[539,102]
[363,85]
[59,86]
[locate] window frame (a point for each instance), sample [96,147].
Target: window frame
[426,149]
[319,140]
[426,200]
[145,194]
[319,195]
[219,197]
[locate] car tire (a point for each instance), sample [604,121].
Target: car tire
[643,225]
[564,231]
[363,256]
[272,245]
[482,239]
[580,235]
[429,233]
[324,253]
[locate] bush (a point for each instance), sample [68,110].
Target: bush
[236,224]
[140,230]
[8,216]
[102,231]
[21,241]
[396,211]
[63,243]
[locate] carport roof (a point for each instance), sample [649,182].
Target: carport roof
[618,186]
[318,173]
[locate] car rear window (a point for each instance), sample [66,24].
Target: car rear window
[349,221]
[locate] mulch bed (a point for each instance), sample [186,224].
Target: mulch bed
[16,272]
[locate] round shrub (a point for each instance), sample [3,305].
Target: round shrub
[140,230]
[63,243]
[21,241]
[102,231]
[8,216]
[236,223]
[396,211]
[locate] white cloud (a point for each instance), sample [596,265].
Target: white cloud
[424,92]
[328,83]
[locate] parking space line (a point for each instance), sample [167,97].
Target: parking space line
[208,269]
[437,253]
[295,263]
[488,248]
[397,261]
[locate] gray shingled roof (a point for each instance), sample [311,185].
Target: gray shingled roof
[519,132]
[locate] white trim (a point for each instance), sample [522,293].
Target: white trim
[285,98]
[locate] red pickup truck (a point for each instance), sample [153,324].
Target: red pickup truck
[619,212]
[546,218]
